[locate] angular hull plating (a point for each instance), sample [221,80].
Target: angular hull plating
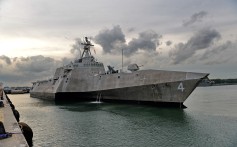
[151,86]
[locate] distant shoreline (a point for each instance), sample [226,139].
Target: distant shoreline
[217,82]
[223,84]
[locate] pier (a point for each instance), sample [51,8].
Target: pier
[11,133]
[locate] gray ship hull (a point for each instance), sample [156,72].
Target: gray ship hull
[155,90]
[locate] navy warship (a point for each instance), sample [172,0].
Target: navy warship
[87,79]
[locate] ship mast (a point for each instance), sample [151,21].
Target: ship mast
[87,44]
[122,60]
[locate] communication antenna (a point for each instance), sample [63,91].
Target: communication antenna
[122,60]
[79,45]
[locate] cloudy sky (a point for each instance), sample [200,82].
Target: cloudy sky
[38,36]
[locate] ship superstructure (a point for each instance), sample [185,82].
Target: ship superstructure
[87,79]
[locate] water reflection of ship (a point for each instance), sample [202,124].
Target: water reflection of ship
[86,79]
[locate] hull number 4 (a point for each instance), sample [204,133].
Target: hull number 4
[181,87]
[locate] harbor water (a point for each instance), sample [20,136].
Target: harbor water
[210,119]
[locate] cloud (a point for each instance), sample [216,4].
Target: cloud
[216,50]
[5,59]
[168,43]
[113,41]
[35,64]
[146,41]
[201,40]
[76,47]
[196,17]
[131,29]
[220,54]
[24,70]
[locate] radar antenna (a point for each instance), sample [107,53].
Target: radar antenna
[86,49]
